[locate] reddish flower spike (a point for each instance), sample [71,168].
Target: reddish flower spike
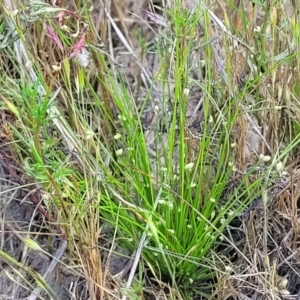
[53,35]
[78,46]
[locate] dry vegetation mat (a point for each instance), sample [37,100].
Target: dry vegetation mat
[149,149]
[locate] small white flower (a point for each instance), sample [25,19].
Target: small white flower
[264,158]
[119,152]
[45,197]
[189,226]
[14,13]
[65,28]
[230,213]
[28,64]
[213,200]
[161,201]
[210,119]
[202,63]
[117,136]
[257,29]
[171,231]
[56,68]
[170,205]
[189,166]
[186,92]
[64,195]
[284,282]
[228,269]
[279,166]
[89,134]
[233,145]
[193,184]
[285,292]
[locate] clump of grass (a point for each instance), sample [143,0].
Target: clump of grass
[183,204]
